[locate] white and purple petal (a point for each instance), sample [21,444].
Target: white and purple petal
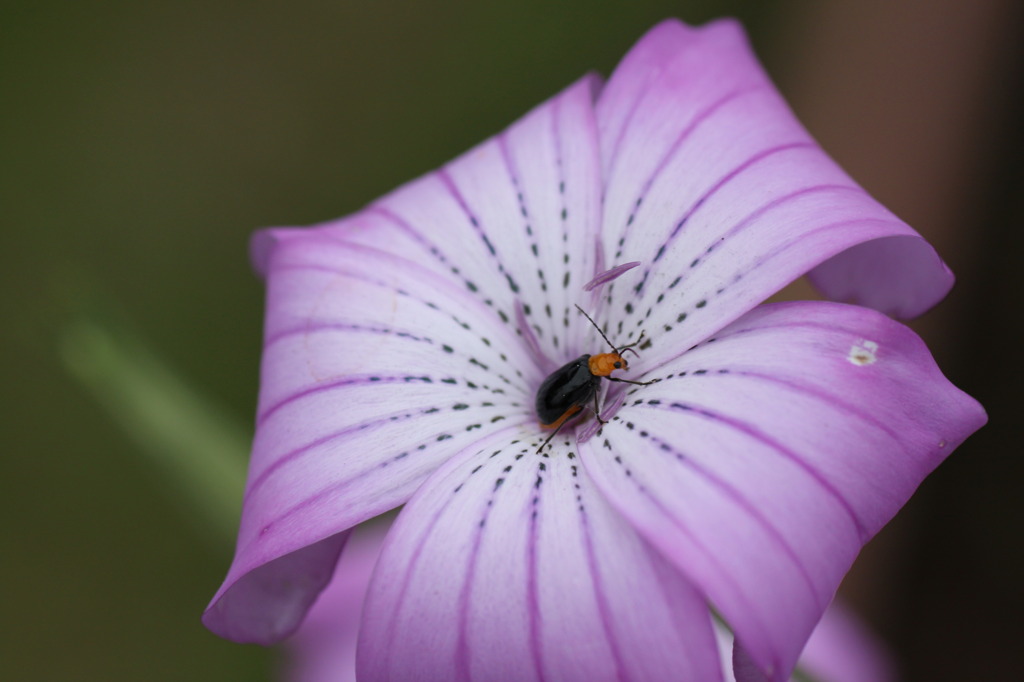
[324,647]
[515,219]
[714,185]
[393,339]
[767,456]
[510,565]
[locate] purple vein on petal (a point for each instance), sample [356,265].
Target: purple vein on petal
[532,596]
[350,380]
[778,250]
[798,324]
[746,505]
[524,212]
[556,133]
[452,188]
[808,390]
[750,162]
[513,177]
[535,249]
[745,222]
[368,425]
[478,448]
[435,251]
[701,117]
[337,486]
[380,379]
[402,224]
[425,276]
[788,325]
[409,567]
[462,662]
[679,620]
[719,570]
[761,437]
[365,279]
[322,327]
[599,595]
[436,282]
[462,647]
[627,123]
[742,224]
[408,378]
[626,126]
[540,357]
[426,303]
[786,245]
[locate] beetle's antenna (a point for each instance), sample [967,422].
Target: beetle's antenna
[597,328]
[629,346]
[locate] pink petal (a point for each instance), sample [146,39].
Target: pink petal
[508,565]
[324,647]
[517,216]
[392,343]
[841,649]
[767,456]
[865,274]
[609,275]
[270,602]
[717,189]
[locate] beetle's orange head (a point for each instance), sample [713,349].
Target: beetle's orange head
[603,364]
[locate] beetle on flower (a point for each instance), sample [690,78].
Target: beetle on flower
[405,346]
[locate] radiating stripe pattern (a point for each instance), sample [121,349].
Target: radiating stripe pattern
[404,346]
[510,565]
[766,456]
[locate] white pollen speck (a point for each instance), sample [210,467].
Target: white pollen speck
[863,353]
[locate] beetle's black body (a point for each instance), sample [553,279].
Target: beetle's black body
[572,385]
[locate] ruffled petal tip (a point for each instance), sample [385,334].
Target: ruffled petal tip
[268,603]
[902,277]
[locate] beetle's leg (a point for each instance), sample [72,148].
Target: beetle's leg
[635,383]
[597,411]
[548,439]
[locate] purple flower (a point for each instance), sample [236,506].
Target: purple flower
[404,346]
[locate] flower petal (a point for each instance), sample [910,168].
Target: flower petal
[841,649]
[272,599]
[368,384]
[767,456]
[516,217]
[901,276]
[609,275]
[324,648]
[508,565]
[714,185]
[392,342]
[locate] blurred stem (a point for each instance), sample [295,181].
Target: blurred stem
[197,448]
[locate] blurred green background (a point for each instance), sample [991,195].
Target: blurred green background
[141,143]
